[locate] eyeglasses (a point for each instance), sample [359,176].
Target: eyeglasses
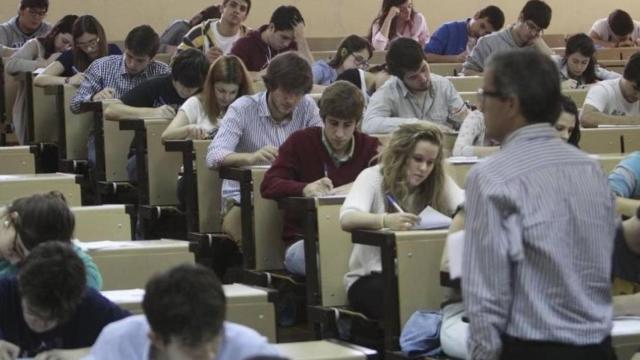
[533,28]
[36,12]
[360,61]
[482,94]
[91,43]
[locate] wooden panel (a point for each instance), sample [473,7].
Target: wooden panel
[625,53]
[466,83]
[554,40]
[116,149]
[45,115]
[16,160]
[608,54]
[77,127]
[132,267]
[209,190]
[458,172]
[323,44]
[577,95]
[323,350]
[609,161]
[267,224]
[418,258]
[631,139]
[261,317]
[256,313]
[601,141]
[334,249]
[102,222]
[17,186]
[163,166]
[446,69]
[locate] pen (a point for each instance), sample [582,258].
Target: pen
[326,171]
[75,70]
[394,203]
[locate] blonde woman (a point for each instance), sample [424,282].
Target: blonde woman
[409,177]
[198,118]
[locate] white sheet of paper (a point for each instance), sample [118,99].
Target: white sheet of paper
[124,296]
[431,218]
[625,326]
[455,247]
[107,244]
[463,159]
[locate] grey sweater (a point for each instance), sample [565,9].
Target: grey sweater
[11,36]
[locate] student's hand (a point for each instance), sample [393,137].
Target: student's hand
[298,31]
[462,56]
[400,221]
[626,43]
[8,351]
[196,132]
[265,155]
[213,53]
[76,79]
[106,93]
[393,11]
[318,188]
[165,112]
[569,84]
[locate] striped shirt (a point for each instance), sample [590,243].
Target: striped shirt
[247,127]
[110,71]
[539,231]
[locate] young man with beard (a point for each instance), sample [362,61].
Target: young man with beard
[412,94]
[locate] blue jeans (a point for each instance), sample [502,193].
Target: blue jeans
[294,259]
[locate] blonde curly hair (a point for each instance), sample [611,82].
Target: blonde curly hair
[394,161]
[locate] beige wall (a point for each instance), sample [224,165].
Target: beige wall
[325,18]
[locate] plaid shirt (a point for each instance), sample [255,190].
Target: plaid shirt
[110,71]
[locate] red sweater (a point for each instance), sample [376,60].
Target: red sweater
[302,159]
[254,52]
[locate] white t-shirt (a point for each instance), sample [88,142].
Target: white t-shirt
[224,42]
[193,108]
[601,27]
[128,339]
[366,196]
[607,98]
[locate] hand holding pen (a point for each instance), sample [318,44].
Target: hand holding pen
[320,187]
[399,220]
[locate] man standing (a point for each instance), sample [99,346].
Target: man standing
[539,227]
[28,24]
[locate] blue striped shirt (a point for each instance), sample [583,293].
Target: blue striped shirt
[110,71]
[247,127]
[539,239]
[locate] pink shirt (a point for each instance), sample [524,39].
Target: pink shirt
[416,29]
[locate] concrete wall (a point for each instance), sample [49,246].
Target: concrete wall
[325,18]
